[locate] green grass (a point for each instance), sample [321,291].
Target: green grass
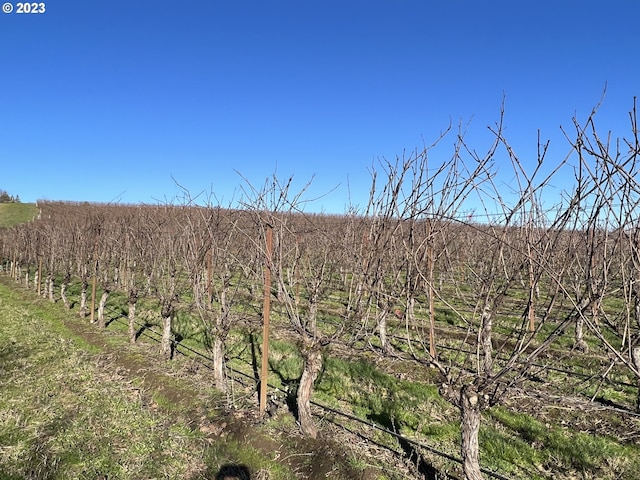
[64,416]
[393,395]
[515,444]
[16,213]
[408,407]
[523,443]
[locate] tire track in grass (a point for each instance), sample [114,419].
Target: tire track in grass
[61,416]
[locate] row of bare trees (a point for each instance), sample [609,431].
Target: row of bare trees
[530,268]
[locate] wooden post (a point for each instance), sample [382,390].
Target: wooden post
[296,272]
[532,294]
[432,311]
[265,316]
[39,275]
[209,273]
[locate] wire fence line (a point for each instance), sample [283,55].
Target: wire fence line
[183,348]
[147,330]
[460,328]
[571,373]
[205,360]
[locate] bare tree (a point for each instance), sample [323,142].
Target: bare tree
[85,238]
[612,271]
[214,259]
[137,263]
[166,254]
[304,264]
[516,249]
[67,255]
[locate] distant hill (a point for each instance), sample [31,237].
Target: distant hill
[15,213]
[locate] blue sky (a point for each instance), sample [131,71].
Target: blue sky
[112,101]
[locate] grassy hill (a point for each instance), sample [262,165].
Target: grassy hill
[14,213]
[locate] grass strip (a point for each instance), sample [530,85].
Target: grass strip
[63,415]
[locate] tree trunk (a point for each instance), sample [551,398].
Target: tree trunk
[218,363]
[50,280]
[312,364]
[635,357]
[485,339]
[148,285]
[578,341]
[38,286]
[470,427]
[63,295]
[83,299]
[133,302]
[165,345]
[103,301]
[382,329]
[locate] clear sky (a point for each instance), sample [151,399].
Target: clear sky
[112,100]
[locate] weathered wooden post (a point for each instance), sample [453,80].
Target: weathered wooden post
[432,311]
[265,316]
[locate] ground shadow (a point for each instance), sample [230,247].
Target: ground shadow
[175,343]
[290,388]
[110,320]
[254,361]
[143,328]
[233,472]
[410,452]
[290,384]
[610,403]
